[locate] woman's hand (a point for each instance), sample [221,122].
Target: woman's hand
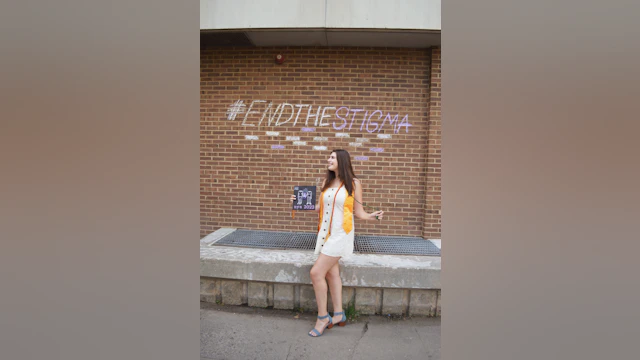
[293,198]
[377,215]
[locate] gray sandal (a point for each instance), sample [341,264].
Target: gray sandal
[342,321]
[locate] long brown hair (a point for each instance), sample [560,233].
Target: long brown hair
[345,171]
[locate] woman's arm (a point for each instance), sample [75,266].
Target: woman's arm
[358,210]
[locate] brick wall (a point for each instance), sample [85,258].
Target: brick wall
[251,160]
[432,211]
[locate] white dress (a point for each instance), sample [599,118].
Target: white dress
[339,243]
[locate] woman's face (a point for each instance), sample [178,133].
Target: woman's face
[332,162]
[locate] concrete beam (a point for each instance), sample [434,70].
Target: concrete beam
[293,266]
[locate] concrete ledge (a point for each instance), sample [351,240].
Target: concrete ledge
[293,266]
[378,284]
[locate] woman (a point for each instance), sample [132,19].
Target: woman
[335,235]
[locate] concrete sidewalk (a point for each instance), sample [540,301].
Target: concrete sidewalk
[240,332]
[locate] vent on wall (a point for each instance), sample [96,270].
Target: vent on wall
[363,244]
[210,39]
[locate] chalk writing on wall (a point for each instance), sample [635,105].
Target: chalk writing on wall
[235,109]
[343,118]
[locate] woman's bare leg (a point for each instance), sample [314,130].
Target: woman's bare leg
[335,287]
[318,273]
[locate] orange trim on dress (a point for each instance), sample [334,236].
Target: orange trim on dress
[333,208]
[347,221]
[320,216]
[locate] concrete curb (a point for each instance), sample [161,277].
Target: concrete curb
[263,277]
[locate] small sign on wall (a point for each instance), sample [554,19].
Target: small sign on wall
[305,198]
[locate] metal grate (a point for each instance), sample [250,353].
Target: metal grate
[367,244]
[268,240]
[364,244]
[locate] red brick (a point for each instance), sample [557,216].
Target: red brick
[245,184]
